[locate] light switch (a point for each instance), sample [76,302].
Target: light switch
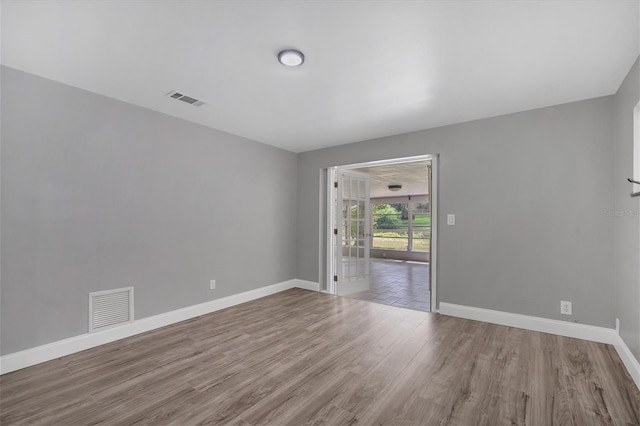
[451,219]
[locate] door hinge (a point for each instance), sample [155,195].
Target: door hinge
[335,184]
[335,278]
[335,232]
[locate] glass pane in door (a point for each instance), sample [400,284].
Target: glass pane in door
[354,227]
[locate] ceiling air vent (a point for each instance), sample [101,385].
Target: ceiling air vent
[110,308]
[184,98]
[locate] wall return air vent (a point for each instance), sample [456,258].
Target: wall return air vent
[184,98]
[110,308]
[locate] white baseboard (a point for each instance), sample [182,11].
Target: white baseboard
[629,361]
[50,351]
[562,328]
[307,285]
[39,354]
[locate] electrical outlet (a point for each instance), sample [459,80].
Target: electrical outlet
[565,307]
[451,219]
[212,285]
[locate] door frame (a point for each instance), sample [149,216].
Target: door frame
[326,231]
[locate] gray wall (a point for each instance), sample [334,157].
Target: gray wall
[528,190]
[100,194]
[626,226]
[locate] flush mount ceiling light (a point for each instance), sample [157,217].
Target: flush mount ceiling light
[394,187]
[291,58]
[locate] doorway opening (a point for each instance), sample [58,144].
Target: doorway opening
[381,234]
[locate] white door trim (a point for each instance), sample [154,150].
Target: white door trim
[400,160]
[330,285]
[433,249]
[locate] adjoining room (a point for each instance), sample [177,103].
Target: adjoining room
[400,234]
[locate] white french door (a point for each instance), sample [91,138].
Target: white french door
[352,233]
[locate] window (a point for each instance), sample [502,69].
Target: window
[421,226]
[390,226]
[401,226]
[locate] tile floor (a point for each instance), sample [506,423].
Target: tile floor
[398,283]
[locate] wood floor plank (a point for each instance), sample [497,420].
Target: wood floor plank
[306,358]
[391,403]
[577,359]
[588,404]
[376,380]
[331,415]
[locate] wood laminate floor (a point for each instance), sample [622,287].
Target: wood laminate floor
[301,357]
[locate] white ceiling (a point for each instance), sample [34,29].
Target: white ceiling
[413,176]
[373,68]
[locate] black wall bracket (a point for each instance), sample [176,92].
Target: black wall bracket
[634,194]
